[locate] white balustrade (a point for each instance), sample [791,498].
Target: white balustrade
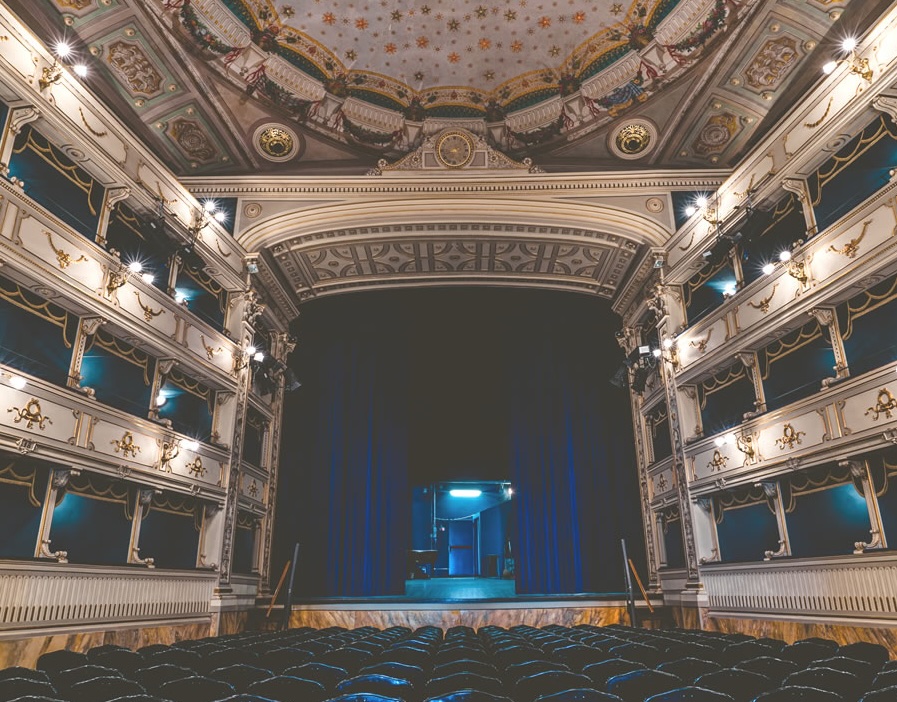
[42,594]
[841,586]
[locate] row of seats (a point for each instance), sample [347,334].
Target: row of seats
[521,664]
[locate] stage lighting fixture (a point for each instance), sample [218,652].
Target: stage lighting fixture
[465,493]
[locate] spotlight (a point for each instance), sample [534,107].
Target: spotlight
[180,297]
[220,217]
[161,400]
[209,206]
[80,70]
[62,49]
[701,202]
[135,266]
[849,44]
[251,350]
[829,67]
[252,267]
[258,357]
[657,353]
[465,493]
[668,343]
[18,382]
[690,210]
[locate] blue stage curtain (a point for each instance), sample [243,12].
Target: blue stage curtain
[572,465]
[349,494]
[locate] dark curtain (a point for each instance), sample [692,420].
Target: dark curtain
[348,484]
[572,463]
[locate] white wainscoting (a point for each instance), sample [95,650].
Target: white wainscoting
[36,594]
[847,586]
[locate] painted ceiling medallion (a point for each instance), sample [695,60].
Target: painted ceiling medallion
[634,139]
[276,142]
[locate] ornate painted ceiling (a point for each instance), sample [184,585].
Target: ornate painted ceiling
[332,86]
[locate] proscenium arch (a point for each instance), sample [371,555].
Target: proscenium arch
[395,211]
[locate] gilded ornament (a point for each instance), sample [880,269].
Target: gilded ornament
[852,247]
[170,450]
[790,436]
[661,483]
[633,139]
[64,259]
[718,462]
[148,312]
[196,467]
[701,344]
[126,445]
[210,351]
[32,414]
[883,405]
[763,305]
[253,489]
[276,142]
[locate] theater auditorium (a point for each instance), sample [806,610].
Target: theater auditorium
[469,351]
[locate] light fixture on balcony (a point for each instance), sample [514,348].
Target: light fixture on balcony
[250,353]
[53,74]
[855,64]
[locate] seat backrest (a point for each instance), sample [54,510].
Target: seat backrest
[20,672]
[120,659]
[377,684]
[285,688]
[327,675]
[240,675]
[55,661]
[805,652]
[849,686]
[546,683]
[11,688]
[514,672]
[103,689]
[462,681]
[464,666]
[600,673]
[775,669]
[639,685]
[195,689]
[154,676]
[394,669]
[639,653]
[884,694]
[467,696]
[691,693]
[579,695]
[794,693]
[282,658]
[689,669]
[64,679]
[740,685]
[875,654]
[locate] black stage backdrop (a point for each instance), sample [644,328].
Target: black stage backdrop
[404,388]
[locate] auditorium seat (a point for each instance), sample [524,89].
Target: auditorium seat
[886,678]
[462,681]
[467,696]
[20,672]
[547,682]
[798,694]
[805,652]
[64,679]
[180,657]
[240,675]
[281,659]
[864,670]
[195,689]
[154,676]
[464,665]
[600,673]
[227,657]
[363,697]
[740,685]
[378,684]
[885,694]
[56,661]
[773,668]
[577,656]
[874,654]
[735,653]
[685,649]
[285,688]
[639,653]
[121,659]
[514,672]
[690,694]
[847,685]
[579,695]
[412,673]
[138,698]
[13,688]
[327,675]
[103,689]
[638,685]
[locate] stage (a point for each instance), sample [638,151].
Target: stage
[459,589]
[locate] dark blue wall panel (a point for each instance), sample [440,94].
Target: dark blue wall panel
[828,522]
[244,540]
[746,532]
[91,530]
[170,538]
[672,541]
[19,521]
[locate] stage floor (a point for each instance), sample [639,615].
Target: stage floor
[455,589]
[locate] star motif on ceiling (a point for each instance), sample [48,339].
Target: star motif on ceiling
[545,22]
[425,10]
[390,48]
[419,75]
[396,15]
[329,18]
[517,46]
[510,15]
[361,23]
[422,42]
[287,11]
[454,25]
[616,9]
[485,43]
[579,17]
[555,51]
[454,57]
[481,12]
[489,75]
[351,55]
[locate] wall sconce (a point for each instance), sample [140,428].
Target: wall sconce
[796,269]
[855,64]
[702,205]
[669,352]
[251,353]
[53,74]
[119,277]
[202,218]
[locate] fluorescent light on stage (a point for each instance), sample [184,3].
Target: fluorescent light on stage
[465,493]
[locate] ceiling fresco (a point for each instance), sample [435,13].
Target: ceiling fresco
[576,85]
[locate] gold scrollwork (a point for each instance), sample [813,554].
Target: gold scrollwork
[126,445]
[763,305]
[196,467]
[701,344]
[813,125]
[224,254]
[852,247]
[169,451]
[210,351]
[661,483]
[96,133]
[718,462]
[31,414]
[885,402]
[253,489]
[63,258]
[148,312]
[790,436]
[745,444]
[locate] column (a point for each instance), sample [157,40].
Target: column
[862,478]
[142,501]
[59,478]
[773,492]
